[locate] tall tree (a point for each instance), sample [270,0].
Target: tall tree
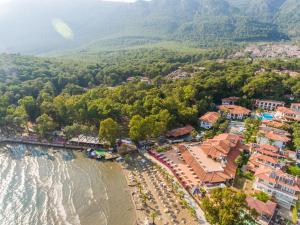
[44,124]
[109,131]
[29,105]
[226,206]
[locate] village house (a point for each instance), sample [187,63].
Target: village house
[267,150]
[276,183]
[273,123]
[269,105]
[145,80]
[272,136]
[181,134]
[258,160]
[234,112]
[213,161]
[131,79]
[230,101]
[178,75]
[295,107]
[209,119]
[287,114]
[265,210]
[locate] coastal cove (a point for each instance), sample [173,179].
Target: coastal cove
[41,185]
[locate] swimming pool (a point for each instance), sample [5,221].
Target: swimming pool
[266,116]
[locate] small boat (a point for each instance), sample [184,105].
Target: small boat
[100,157]
[92,154]
[120,159]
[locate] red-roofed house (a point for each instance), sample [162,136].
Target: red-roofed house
[234,112]
[180,132]
[270,148]
[273,123]
[284,113]
[213,161]
[209,119]
[230,101]
[265,210]
[268,104]
[271,136]
[258,160]
[284,187]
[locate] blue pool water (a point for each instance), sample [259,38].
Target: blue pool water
[266,116]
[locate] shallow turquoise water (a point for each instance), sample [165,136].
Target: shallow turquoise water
[266,116]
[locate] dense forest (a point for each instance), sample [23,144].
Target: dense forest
[58,93]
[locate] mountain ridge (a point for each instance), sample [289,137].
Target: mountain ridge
[202,23]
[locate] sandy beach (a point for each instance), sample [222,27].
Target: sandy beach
[155,194]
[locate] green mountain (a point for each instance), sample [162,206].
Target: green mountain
[27,26]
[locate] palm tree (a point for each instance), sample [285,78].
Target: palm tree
[153,216]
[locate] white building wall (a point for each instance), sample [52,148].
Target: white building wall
[205,125]
[283,199]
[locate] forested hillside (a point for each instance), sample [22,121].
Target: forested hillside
[68,93]
[199,23]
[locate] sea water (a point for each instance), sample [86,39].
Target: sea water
[54,186]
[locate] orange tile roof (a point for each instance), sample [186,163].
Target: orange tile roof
[273,136]
[180,131]
[263,158]
[273,123]
[285,110]
[234,109]
[210,117]
[220,145]
[267,152]
[261,207]
[269,147]
[223,145]
[265,173]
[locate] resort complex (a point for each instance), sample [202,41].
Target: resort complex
[223,159]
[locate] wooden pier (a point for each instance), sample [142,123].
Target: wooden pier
[46,144]
[108,156]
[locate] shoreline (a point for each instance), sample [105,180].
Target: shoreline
[142,215]
[153,193]
[131,191]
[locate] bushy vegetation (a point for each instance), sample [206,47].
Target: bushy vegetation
[262,196]
[296,135]
[226,207]
[251,129]
[293,170]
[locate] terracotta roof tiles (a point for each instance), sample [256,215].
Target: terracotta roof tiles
[210,117]
[180,131]
[234,109]
[261,207]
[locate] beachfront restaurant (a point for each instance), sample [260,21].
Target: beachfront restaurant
[87,141]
